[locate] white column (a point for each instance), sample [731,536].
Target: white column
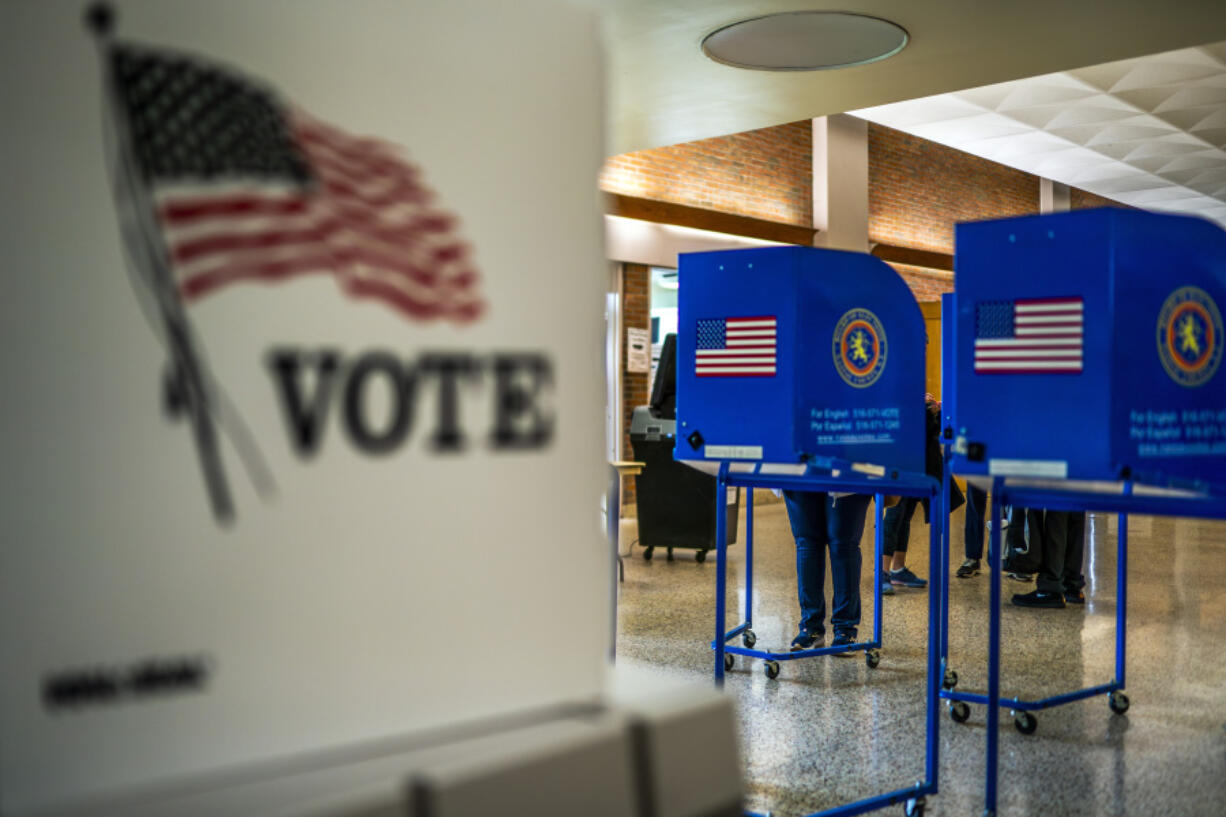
[840,182]
[1053,196]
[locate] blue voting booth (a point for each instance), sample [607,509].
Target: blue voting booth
[794,354]
[1089,346]
[803,369]
[1082,368]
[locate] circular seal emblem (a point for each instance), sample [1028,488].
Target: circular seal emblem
[1190,336]
[859,348]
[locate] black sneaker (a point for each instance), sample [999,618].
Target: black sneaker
[1038,598]
[1020,577]
[807,641]
[843,639]
[968,568]
[1075,596]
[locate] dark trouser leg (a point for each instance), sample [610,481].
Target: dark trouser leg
[1072,577]
[896,530]
[1021,557]
[976,508]
[1056,546]
[807,515]
[845,526]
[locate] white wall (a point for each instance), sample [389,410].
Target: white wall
[372,595]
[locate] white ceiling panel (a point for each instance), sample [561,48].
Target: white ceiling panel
[1147,131]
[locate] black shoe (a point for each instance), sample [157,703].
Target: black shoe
[1038,598]
[1075,596]
[1020,577]
[968,568]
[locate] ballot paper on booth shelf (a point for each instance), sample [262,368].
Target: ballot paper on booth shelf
[282,417]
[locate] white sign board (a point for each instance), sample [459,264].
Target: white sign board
[291,462]
[638,350]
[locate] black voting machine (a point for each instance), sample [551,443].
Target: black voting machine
[676,502]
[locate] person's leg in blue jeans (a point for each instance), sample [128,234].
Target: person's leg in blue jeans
[807,515]
[976,507]
[845,526]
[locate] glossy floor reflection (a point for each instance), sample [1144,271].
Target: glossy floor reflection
[830,730]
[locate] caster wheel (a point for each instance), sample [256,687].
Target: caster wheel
[647,554]
[951,679]
[872,658]
[915,807]
[728,661]
[749,639]
[959,711]
[1118,702]
[1025,722]
[670,554]
[700,556]
[772,669]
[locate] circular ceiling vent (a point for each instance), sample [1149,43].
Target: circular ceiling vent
[805,41]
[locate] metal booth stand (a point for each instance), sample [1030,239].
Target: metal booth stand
[1095,416]
[1059,499]
[803,369]
[839,477]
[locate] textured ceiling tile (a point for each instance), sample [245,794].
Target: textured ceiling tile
[1118,132]
[1189,118]
[1132,184]
[1091,114]
[1208,179]
[1056,162]
[1150,132]
[1027,95]
[1148,99]
[1215,51]
[1148,73]
[986,125]
[1039,116]
[1191,97]
[989,96]
[1163,149]
[1096,175]
[1081,134]
[905,115]
[1213,136]
[1182,177]
[1104,76]
[1032,143]
[1195,161]
[1168,196]
[1215,119]
[1151,164]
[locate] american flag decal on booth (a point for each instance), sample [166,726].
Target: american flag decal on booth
[1029,336]
[735,347]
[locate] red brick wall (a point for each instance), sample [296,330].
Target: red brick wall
[926,284]
[918,190]
[763,174]
[636,312]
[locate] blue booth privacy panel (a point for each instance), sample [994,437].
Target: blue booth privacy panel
[1088,345]
[786,354]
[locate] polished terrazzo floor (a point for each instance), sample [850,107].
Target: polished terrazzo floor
[830,730]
